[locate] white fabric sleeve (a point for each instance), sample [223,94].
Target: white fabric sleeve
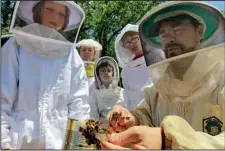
[10,69]
[79,107]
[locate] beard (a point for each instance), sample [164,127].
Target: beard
[180,66]
[175,49]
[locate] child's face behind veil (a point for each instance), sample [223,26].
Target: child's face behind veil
[131,41]
[53,15]
[106,75]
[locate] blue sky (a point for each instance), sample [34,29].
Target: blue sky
[218,4]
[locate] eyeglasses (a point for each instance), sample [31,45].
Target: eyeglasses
[132,41]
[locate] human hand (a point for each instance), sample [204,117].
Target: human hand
[120,119]
[8,148]
[139,137]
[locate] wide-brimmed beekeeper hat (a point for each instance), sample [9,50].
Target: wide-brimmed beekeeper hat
[90,43]
[75,18]
[207,15]
[41,39]
[23,10]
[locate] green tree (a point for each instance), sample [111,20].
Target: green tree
[5,31]
[105,19]
[6,12]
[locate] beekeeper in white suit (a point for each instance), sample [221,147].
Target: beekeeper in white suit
[89,51]
[106,92]
[43,78]
[131,59]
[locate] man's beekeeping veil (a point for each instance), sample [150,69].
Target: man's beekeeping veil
[187,77]
[210,17]
[41,39]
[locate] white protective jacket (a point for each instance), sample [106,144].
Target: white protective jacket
[134,72]
[43,84]
[103,99]
[134,79]
[38,95]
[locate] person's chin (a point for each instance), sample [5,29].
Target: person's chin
[107,80]
[51,26]
[86,59]
[174,53]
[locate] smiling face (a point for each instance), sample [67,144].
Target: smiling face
[179,37]
[51,14]
[131,41]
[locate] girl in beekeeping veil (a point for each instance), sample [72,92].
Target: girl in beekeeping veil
[132,61]
[43,77]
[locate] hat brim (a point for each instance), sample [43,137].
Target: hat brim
[89,43]
[149,28]
[154,29]
[76,13]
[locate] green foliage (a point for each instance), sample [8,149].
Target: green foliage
[5,31]
[6,11]
[105,19]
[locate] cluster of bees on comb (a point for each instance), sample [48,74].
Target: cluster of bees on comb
[94,131]
[91,130]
